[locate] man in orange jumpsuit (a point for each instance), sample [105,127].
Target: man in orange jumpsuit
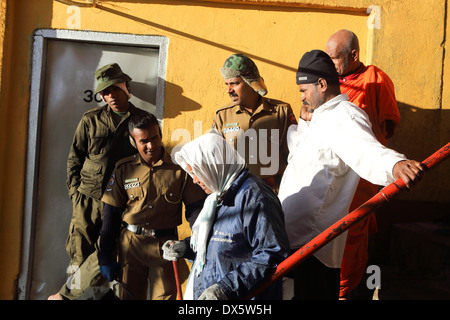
[373,91]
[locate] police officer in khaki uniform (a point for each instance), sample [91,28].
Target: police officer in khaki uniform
[145,195]
[256,126]
[100,140]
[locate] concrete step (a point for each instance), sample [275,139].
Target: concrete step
[419,264]
[396,285]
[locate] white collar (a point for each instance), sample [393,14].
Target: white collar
[333,102]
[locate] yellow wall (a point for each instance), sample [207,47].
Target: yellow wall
[408,43]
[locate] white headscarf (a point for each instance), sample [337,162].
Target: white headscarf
[217,165]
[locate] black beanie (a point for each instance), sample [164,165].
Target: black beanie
[316,64]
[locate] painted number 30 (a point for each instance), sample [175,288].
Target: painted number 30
[89,96]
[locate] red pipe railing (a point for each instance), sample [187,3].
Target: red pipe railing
[343,224]
[177,279]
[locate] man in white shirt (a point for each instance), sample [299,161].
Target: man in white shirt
[329,150]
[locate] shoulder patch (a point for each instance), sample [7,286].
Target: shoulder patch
[292,119]
[112,180]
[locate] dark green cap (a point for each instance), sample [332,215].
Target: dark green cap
[108,75]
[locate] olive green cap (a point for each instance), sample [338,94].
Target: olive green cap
[108,75]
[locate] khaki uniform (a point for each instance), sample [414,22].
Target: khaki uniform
[259,137]
[98,143]
[152,199]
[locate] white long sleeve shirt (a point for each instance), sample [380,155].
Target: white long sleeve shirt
[327,156]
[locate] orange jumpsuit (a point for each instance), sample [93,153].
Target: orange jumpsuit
[373,91]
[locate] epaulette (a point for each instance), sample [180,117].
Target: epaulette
[227,106]
[127,159]
[94,110]
[275,102]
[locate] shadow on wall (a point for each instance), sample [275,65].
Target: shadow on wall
[139,88]
[289,7]
[175,102]
[242,5]
[422,132]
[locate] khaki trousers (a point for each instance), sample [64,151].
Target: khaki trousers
[144,269]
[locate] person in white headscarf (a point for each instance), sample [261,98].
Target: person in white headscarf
[239,237]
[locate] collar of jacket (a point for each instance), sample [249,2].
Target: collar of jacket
[265,105]
[362,68]
[131,110]
[228,197]
[164,159]
[332,103]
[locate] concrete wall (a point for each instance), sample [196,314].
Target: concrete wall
[405,38]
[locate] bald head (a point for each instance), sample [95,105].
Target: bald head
[343,48]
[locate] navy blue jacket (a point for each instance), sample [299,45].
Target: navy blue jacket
[247,242]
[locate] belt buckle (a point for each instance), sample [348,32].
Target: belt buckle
[148,233]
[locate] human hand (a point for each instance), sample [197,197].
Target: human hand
[410,171]
[213,292]
[173,249]
[306,113]
[110,271]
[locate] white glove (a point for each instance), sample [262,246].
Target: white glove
[173,249]
[214,292]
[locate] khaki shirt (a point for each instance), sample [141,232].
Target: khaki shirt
[265,147]
[151,196]
[96,147]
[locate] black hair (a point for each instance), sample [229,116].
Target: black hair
[142,119]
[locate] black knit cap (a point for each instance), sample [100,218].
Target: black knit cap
[316,64]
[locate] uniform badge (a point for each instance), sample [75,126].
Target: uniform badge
[231,127]
[131,185]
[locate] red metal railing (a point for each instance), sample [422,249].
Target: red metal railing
[343,224]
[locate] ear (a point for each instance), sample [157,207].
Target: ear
[322,84]
[355,55]
[132,142]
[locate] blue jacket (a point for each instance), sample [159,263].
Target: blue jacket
[247,242]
